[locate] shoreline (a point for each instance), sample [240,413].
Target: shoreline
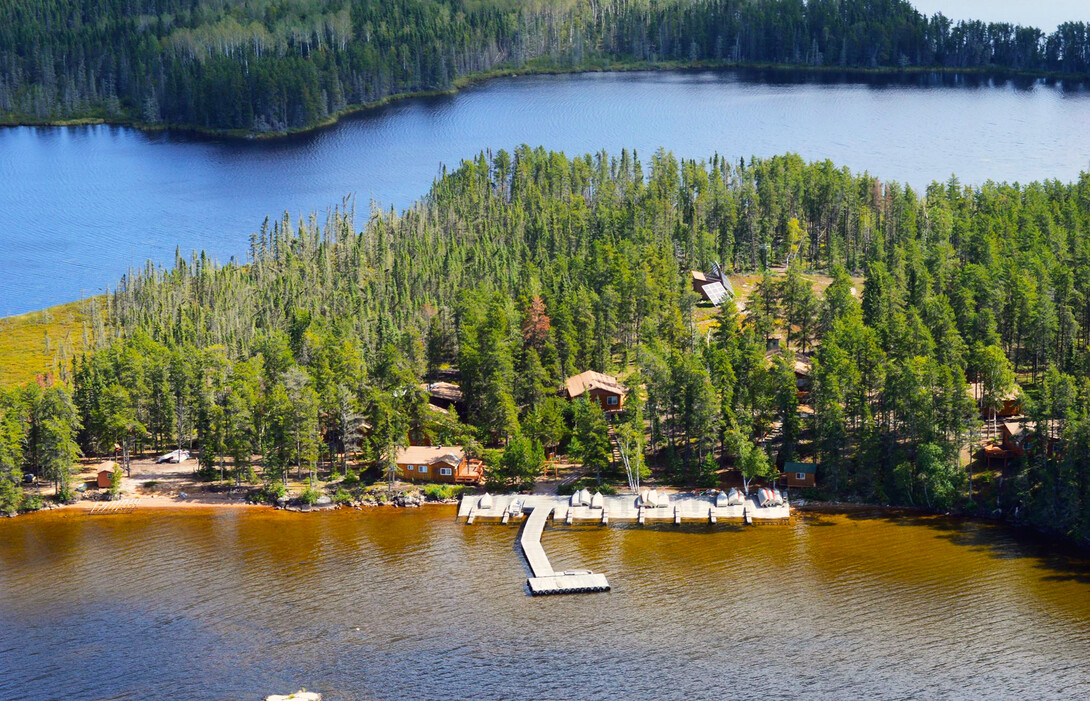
[471,80]
[211,504]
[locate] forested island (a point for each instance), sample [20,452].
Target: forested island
[520,269]
[276,66]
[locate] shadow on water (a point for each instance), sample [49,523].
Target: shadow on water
[746,76]
[1063,561]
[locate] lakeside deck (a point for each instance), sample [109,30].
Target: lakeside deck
[614,509]
[626,509]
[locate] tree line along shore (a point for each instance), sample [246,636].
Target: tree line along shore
[913,314]
[281,66]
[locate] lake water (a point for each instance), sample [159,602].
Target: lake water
[409,604]
[81,205]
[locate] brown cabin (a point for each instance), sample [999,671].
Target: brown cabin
[599,387]
[699,280]
[800,474]
[1011,445]
[1014,435]
[438,463]
[1010,405]
[105,478]
[1016,441]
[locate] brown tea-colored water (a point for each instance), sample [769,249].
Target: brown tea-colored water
[409,604]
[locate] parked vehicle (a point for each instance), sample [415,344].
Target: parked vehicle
[174,456]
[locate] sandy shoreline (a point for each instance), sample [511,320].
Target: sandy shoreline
[202,501]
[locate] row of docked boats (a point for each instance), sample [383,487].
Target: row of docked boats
[584,498]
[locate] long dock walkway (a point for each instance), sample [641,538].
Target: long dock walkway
[531,542]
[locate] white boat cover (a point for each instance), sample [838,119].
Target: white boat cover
[516,507]
[597,501]
[584,496]
[485,501]
[736,498]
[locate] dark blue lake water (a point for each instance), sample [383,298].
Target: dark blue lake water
[78,206]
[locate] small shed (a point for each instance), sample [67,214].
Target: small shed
[800,474]
[105,478]
[712,287]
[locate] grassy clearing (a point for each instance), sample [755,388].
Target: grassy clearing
[29,343]
[746,283]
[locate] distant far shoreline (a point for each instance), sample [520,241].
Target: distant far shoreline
[484,77]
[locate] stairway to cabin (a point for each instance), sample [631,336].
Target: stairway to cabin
[617,462]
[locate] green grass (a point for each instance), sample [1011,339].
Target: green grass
[30,342]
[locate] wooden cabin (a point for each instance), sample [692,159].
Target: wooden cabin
[105,478]
[1017,441]
[599,387]
[800,474]
[438,464]
[1011,445]
[1013,435]
[1010,405]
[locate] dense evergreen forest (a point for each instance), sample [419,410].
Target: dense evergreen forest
[519,269]
[276,65]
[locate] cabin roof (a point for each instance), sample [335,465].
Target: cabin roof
[443,390]
[1010,396]
[430,454]
[586,381]
[807,467]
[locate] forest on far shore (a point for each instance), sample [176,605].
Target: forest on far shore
[519,269]
[270,66]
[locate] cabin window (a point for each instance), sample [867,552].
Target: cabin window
[800,476]
[423,469]
[444,470]
[612,401]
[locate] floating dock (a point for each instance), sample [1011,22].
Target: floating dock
[545,580]
[608,511]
